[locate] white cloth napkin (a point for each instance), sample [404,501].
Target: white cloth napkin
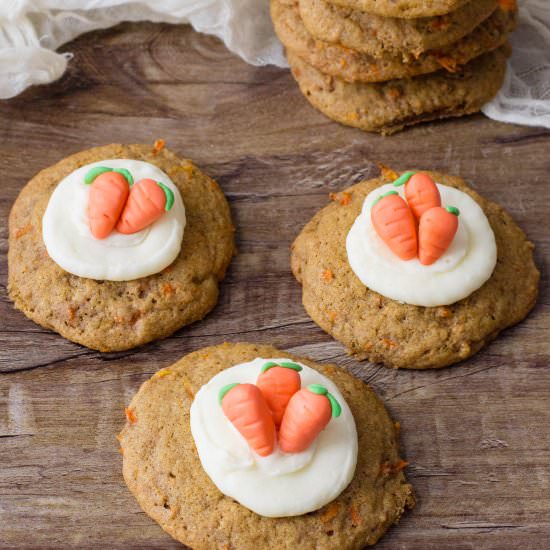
[31,31]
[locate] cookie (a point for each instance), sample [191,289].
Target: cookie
[391,106]
[379,36]
[109,315]
[403,8]
[351,66]
[379,329]
[162,468]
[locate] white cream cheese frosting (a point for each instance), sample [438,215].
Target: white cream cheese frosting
[463,268]
[118,257]
[280,484]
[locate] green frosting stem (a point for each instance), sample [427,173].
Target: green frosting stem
[385,195]
[169,196]
[126,174]
[403,179]
[224,390]
[336,408]
[285,364]
[92,173]
[334,405]
[318,389]
[453,210]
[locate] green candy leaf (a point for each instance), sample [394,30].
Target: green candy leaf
[385,195]
[126,174]
[285,364]
[321,390]
[335,406]
[453,210]
[169,196]
[403,179]
[92,173]
[224,390]
[318,389]
[289,365]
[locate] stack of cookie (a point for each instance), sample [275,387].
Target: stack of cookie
[381,65]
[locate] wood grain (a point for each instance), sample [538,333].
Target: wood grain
[477,435]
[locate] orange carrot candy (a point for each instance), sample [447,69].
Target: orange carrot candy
[421,192]
[394,223]
[245,407]
[278,382]
[436,231]
[148,200]
[307,414]
[108,195]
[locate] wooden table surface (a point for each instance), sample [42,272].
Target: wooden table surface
[477,435]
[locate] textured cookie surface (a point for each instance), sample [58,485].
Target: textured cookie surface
[162,468]
[390,106]
[350,65]
[377,36]
[108,315]
[400,335]
[403,8]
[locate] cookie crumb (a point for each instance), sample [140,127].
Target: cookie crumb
[387,173]
[162,373]
[344,198]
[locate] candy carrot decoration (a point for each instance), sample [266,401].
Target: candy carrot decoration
[307,414]
[436,232]
[395,225]
[422,194]
[278,382]
[148,200]
[245,407]
[108,194]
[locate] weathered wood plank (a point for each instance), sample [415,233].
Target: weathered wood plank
[477,435]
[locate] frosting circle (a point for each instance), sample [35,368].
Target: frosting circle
[463,268]
[280,484]
[118,257]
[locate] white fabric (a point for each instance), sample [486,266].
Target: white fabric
[30,31]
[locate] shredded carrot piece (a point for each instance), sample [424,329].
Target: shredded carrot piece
[168,289]
[328,276]
[330,513]
[23,231]
[397,427]
[332,316]
[387,173]
[448,63]
[444,312]
[389,343]
[440,22]
[158,146]
[130,415]
[394,93]
[387,468]
[121,451]
[507,5]
[355,517]
[344,198]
